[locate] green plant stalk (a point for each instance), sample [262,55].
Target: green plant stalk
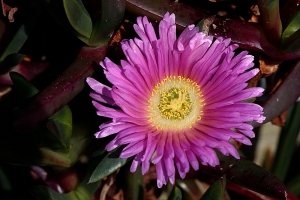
[293,186]
[287,143]
[270,18]
[133,183]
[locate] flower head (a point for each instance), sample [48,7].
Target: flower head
[175,100]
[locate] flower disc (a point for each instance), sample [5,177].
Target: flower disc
[175,103]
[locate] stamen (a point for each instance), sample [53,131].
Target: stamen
[176,103]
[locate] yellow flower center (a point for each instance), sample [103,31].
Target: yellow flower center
[175,103]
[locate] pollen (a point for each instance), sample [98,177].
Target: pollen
[176,103]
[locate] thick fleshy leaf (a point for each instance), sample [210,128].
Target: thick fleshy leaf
[175,194]
[60,125]
[216,190]
[23,87]
[78,17]
[247,174]
[133,183]
[112,13]
[189,189]
[287,143]
[292,26]
[270,18]
[278,102]
[30,149]
[44,192]
[290,38]
[293,186]
[155,10]
[110,163]
[61,91]
[292,43]
[28,69]
[21,36]
[10,61]
[20,150]
[5,184]
[80,140]
[82,191]
[24,150]
[287,11]
[247,35]
[56,8]
[247,193]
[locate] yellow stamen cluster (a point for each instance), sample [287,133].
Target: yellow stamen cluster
[175,103]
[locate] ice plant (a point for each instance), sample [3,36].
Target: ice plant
[175,100]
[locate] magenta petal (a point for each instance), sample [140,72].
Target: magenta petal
[160,149]
[161,179]
[136,162]
[113,129]
[150,148]
[192,160]
[102,98]
[108,112]
[99,87]
[132,149]
[144,79]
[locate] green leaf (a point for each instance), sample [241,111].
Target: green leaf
[36,148]
[287,143]
[112,12]
[56,8]
[21,36]
[175,194]
[80,141]
[61,91]
[60,125]
[292,43]
[21,150]
[133,183]
[189,188]
[5,184]
[247,174]
[251,100]
[216,190]
[292,27]
[82,191]
[78,17]
[290,39]
[270,18]
[203,26]
[293,185]
[108,165]
[45,193]
[10,61]
[24,88]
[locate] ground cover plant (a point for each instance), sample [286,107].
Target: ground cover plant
[140,99]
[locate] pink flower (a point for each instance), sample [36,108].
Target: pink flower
[175,100]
